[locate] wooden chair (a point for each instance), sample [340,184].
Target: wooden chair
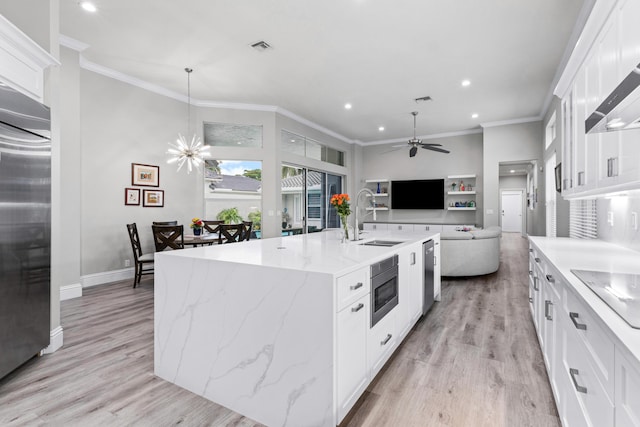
[212,226]
[165,222]
[247,232]
[141,260]
[168,236]
[231,233]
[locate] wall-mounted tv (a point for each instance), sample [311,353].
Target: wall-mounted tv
[417,194]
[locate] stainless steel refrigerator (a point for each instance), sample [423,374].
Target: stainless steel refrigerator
[25,228]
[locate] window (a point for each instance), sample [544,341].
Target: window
[307,147]
[232,135]
[583,219]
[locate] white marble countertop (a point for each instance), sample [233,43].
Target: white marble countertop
[316,252]
[567,254]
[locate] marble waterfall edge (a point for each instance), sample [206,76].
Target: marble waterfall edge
[258,340]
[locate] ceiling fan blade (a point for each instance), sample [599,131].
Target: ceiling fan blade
[440,150]
[432,145]
[413,151]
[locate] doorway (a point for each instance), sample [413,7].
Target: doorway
[511,202]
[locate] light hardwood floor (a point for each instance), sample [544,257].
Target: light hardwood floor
[473,361]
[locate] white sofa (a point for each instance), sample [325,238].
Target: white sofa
[470,253]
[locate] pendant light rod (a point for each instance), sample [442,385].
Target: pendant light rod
[414,113]
[189,71]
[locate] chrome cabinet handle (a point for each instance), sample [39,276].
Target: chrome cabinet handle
[550,278]
[386,340]
[530,272]
[531,300]
[547,304]
[357,308]
[413,258]
[537,259]
[356,286]
[579,388]
[580,178]
[573,317]
[612,166]
[535,284]
[531,250]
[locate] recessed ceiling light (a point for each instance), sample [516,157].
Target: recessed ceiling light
[88,6]
[292,140]
[474,116]
[381,128]
[347,106]
[466,83]
[512,171]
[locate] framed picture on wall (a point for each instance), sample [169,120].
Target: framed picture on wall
[152,198]
[132,196]
[145,175]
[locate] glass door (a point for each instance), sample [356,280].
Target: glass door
[305,200]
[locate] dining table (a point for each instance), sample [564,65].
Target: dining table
[203,239]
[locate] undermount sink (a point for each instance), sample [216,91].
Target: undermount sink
[387,243]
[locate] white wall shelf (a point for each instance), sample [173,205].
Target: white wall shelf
[378,194]
[469,176]
[378,209]
[460,193]
[373,181]
[454,208]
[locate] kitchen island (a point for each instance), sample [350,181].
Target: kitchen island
[279,329]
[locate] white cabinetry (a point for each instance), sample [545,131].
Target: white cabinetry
[22,61]
[594,380]
[411,288]
[604,162]
[461,193]
[374,226]
[627,391]
[352,326]
[382,341]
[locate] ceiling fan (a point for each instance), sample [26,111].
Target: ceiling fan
[414,142]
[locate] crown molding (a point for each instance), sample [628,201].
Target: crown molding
[512,122]
[13,40]
[72,43]
[432,136]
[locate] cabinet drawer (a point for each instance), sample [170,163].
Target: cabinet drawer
[428,227]
[401,228]
[351,287]
[591,336]
[381,342]
[375,226]
[582,379]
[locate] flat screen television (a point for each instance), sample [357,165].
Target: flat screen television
[417,194]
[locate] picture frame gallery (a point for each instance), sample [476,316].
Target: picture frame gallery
[145,175]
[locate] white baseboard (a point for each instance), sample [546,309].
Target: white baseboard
[55,341]
[70,291]
[106,277]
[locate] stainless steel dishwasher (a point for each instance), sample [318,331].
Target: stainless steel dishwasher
[428,265]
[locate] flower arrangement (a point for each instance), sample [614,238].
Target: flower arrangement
[196,223]
[341,203]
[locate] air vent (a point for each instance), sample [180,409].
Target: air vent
[261,46]
[422,99]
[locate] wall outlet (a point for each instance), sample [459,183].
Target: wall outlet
[610,218]
[127,263]
[634,220]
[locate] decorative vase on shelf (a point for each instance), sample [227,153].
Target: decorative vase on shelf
[378,189]
[345,227]
[197,231]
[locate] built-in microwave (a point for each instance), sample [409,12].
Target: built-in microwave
[384,288]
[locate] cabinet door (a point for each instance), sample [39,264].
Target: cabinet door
[609,58]
[609,159]
[580,177]
[404,280]
[375,226]
[416,284]
[401,228]
[569,142]
[629,14]
[352,326]
[627,392]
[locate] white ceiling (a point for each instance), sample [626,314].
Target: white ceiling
[377,55]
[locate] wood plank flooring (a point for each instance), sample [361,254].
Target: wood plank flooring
[473,361]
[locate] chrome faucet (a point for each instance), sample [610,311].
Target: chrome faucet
[356,228]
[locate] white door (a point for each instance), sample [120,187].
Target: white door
[511,211]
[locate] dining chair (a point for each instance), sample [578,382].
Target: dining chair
[141,260]
[247,232]
[212,226]
[231,233]
[165,222]
[168,236]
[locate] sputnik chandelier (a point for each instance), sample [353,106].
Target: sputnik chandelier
[182,151]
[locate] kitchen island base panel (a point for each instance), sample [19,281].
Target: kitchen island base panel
[256,340]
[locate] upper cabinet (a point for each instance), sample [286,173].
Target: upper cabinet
[22,61]
[601,163]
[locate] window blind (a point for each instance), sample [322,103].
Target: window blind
[583,219]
